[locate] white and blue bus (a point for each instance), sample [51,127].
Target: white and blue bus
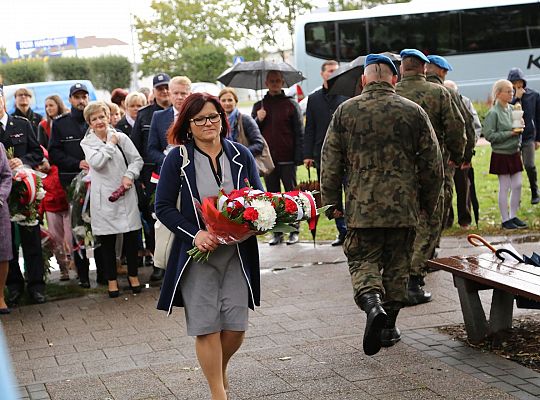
[482,39]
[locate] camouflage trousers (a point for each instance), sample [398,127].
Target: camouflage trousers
[379,260]
[428,233]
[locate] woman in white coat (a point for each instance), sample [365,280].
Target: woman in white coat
[114,164]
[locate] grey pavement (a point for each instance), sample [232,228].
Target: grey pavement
[304,342]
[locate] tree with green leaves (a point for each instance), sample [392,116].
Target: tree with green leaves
[27,71]
[203,63]
[110,72]
[266,19]
[180,25]
[65,68]
[344,5]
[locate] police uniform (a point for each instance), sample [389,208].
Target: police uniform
[449,128]
[19,136]
[33,117]
[394,169]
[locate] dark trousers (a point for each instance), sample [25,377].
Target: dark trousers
[145,192]
[108,253]
[33,260]
[282,173]
[341,226]
[83,264]
[463,196]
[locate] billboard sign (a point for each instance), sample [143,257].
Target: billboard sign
[47,43]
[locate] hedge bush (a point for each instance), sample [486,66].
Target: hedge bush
[69,68]
[23,72]
[110,72]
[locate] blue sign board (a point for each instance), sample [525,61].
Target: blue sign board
[237,59]
[46,43]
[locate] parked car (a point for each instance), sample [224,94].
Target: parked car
[41,90]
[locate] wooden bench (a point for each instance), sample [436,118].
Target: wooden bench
[486,271]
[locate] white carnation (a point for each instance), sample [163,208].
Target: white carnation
[267,214]
[40,194]
[17,218]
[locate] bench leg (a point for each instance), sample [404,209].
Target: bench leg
[473,313]
[502,307]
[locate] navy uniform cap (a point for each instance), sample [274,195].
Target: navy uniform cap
[161,79]
[440,62]
[78,87]
[414,53]
[380,59]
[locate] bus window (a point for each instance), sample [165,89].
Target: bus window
[321,40]
[352,40]
[500,28]
[433,33]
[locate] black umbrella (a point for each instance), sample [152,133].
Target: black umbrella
[346,79]
[252,74]
[474,198]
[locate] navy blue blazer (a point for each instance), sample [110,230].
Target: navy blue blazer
[185,223]
[157,138]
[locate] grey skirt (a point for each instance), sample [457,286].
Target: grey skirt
[215,294]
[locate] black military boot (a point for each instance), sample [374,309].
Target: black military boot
[415,293]
[390,334]
[376,320]
[276,239]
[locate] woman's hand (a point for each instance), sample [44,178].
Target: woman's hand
[205,241]
[113,138]
[126,182]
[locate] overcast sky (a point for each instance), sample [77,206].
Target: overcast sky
[39,19]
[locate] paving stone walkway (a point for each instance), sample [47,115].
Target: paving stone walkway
[304,342]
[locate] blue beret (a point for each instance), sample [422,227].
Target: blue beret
[440,62]
[380,59]
[414,53]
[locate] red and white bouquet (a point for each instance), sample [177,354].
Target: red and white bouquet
[233,217]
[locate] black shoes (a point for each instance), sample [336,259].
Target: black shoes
[5,311]
[84,284]
[376,321]
[415,292]
[148,261]
[277,239]
[37,297]
[14,296]
[135,289]
[390,334]
[293,238]
[514,223]
[339,240]
[157,274]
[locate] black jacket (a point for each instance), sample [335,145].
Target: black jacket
[530,103]
[65,144]
[18,134]
[320,109]
[33,117]
[124,126]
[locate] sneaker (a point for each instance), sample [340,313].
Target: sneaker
[509,224]
[519,223]
[535,199]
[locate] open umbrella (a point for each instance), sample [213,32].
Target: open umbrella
[346,79]
[252,74]
[312,186]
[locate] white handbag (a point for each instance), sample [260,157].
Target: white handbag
[164,237]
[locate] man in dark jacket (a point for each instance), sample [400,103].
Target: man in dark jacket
[280,120]
[139,136]
[23,109]
[66,153]
[530,138]
[320,108]
[16,134]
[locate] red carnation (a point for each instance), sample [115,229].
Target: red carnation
[290,207]
[251,214]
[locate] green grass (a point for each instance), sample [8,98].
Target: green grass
[487,187]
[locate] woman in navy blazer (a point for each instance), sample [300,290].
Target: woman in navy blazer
[198,127]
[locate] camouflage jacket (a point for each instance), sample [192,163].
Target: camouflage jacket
[394,166]
[465,113]
[443,114]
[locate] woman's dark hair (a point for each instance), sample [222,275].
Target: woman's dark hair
[118,95]
[179,132]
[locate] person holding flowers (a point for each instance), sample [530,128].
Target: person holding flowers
[215,294]
[114,165]
[18,138]
[6,252]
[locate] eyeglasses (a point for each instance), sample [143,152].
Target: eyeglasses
[200,121]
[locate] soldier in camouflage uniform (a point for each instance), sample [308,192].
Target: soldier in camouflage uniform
[394,166]
[449,128]
[436,72]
